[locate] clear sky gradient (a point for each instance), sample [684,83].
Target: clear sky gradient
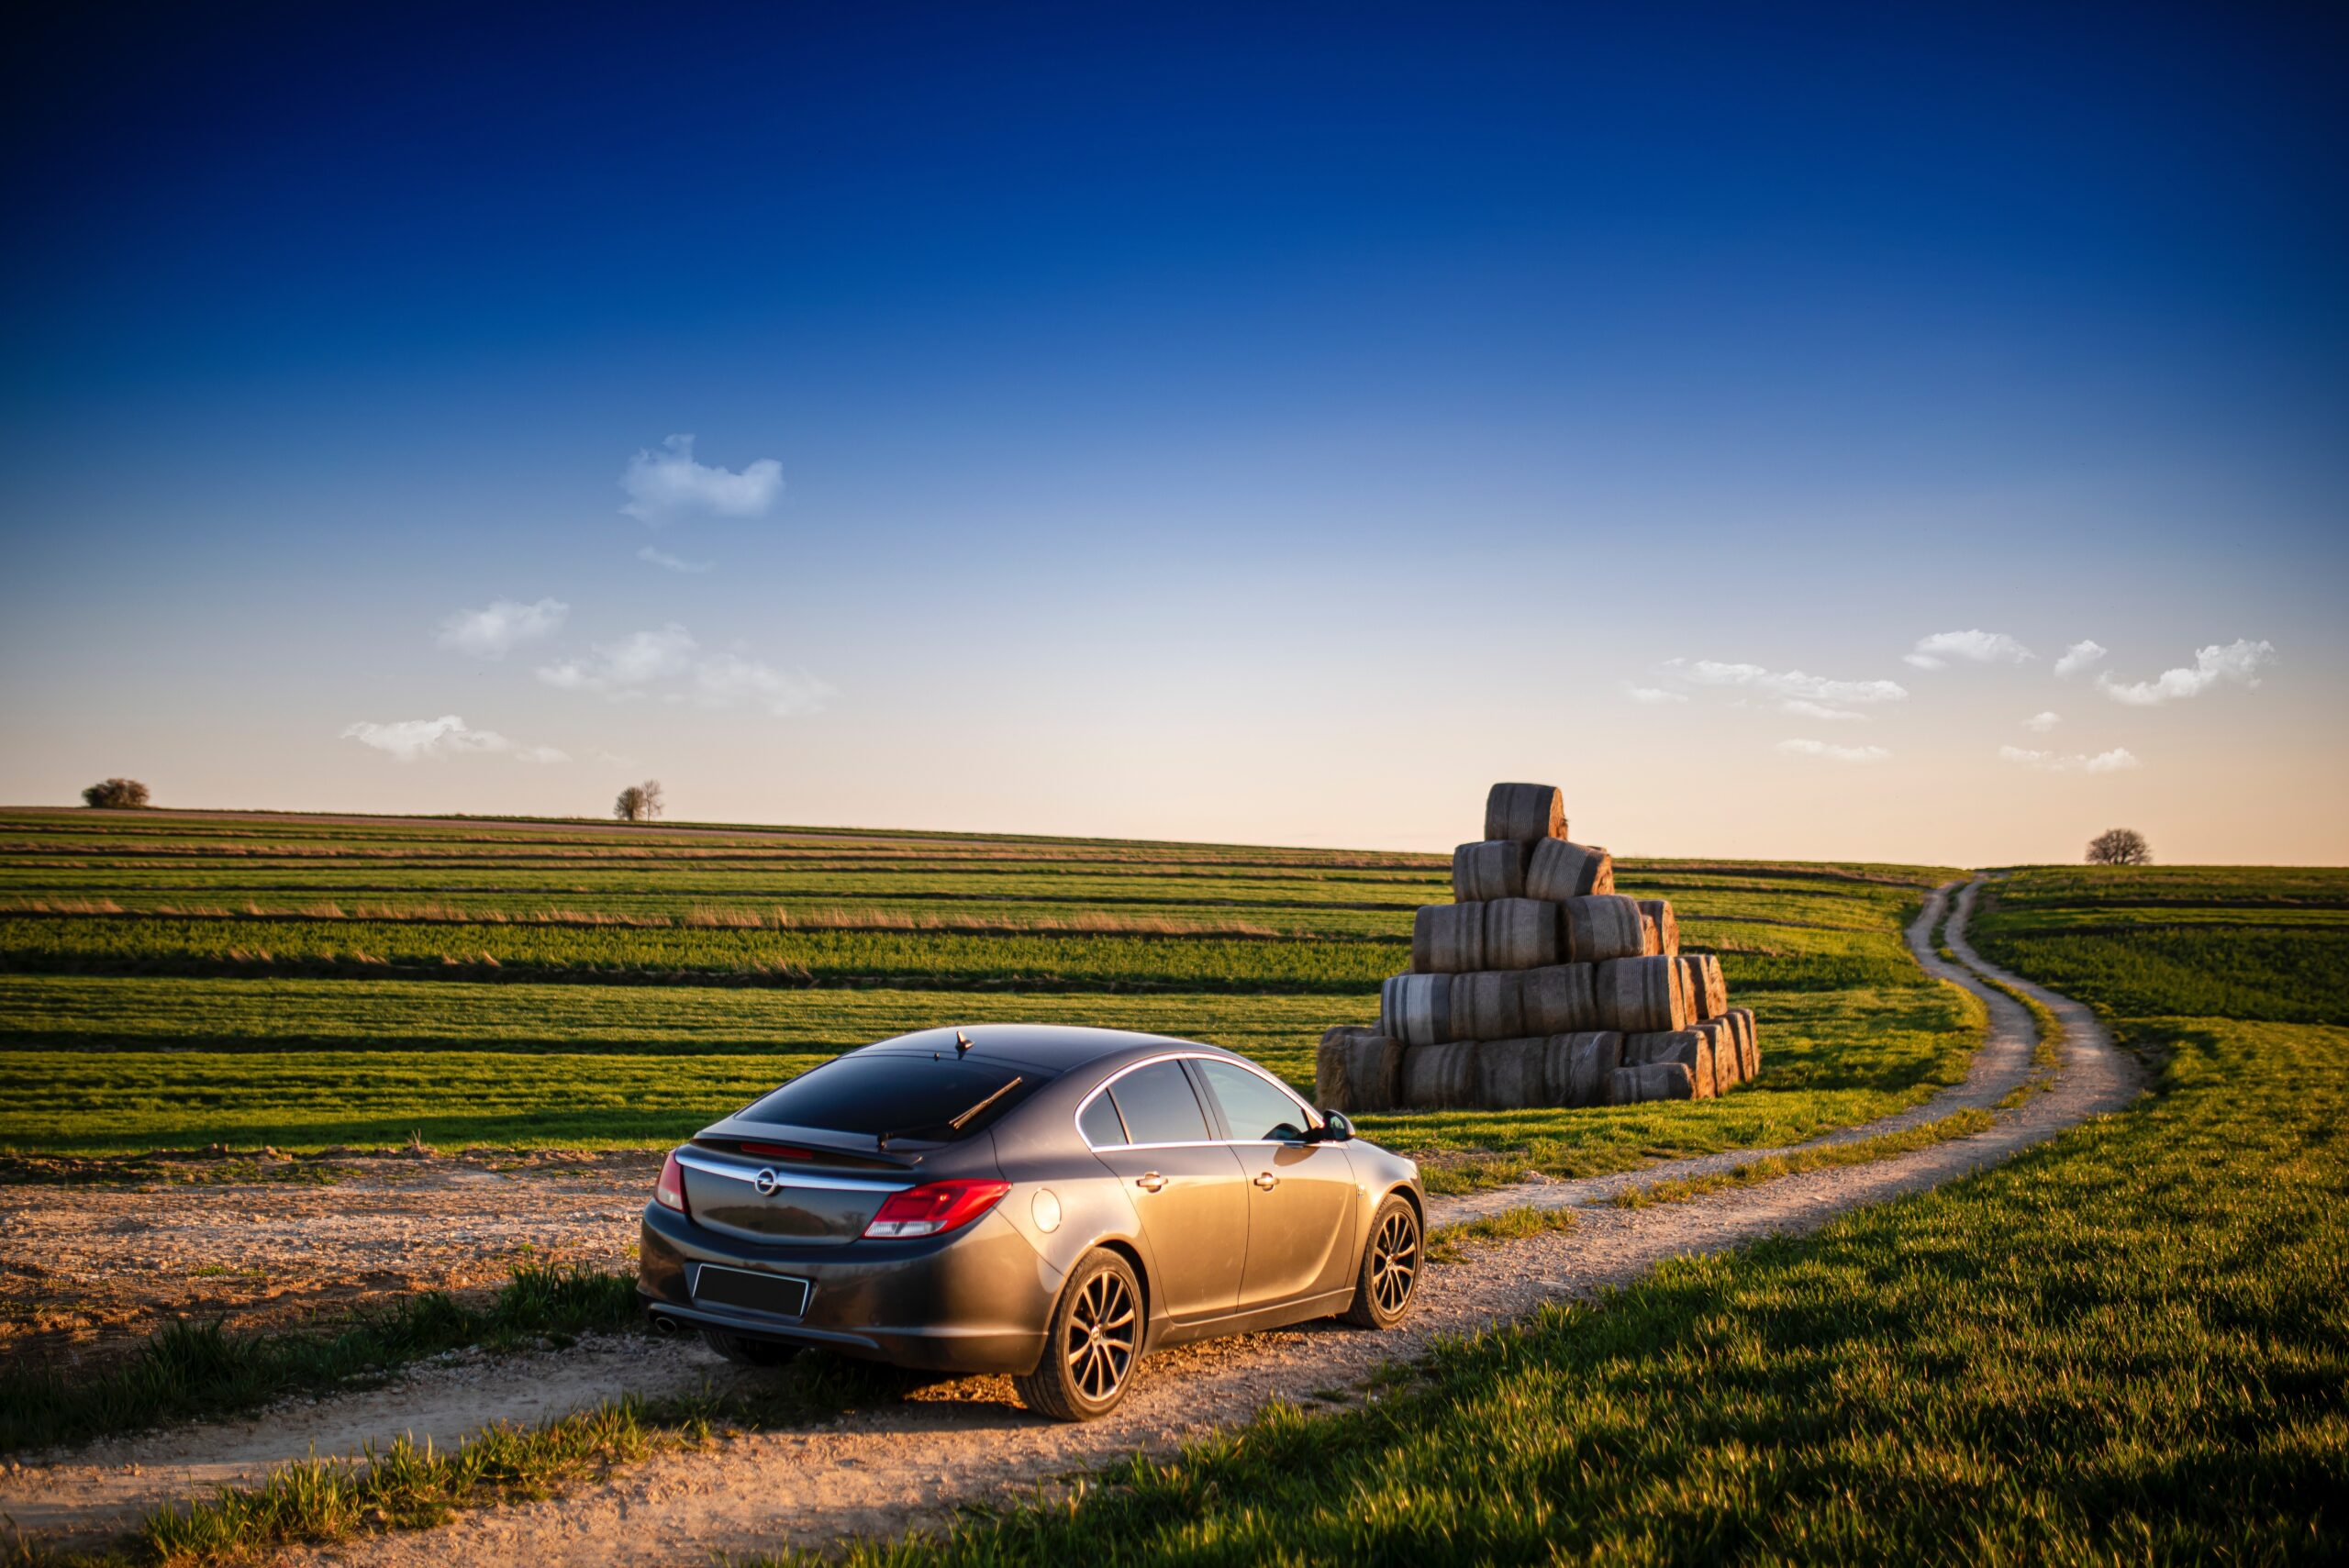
[1251,423]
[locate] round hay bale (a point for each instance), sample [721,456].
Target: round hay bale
[1692,1049]
[1416,1008]
[1558,999]
[1749,1045]
[1440,1077]
[1558,871]
[1525,812]
[1448,938]
[1721,1036]
[1357,1069]
[1513,1074]
[1637,995]
[1707,991]
[1660,1081]
[1493,869]
[1587,1061]
[1601,927]
[1520,933]
[1666,923]
[1488,1005]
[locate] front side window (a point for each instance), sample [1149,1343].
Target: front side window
[1159,1106]
[1254,1110]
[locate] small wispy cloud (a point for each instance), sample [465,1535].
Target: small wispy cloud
[1975,646]
[667,561]
[1832,752]
[669,663]
[1784,685]
[1652,695]
[2083,654]
[2118,760]
[2240,661]
[435,740]
[668,487]
[1803,707]
[500,625]
[2040,723]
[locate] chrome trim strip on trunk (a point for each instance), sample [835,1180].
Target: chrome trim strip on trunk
[787,1177]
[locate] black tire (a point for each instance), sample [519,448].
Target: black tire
[744,1352]
[1390,1266]
[1092,1343]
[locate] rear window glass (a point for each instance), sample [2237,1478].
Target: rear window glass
[909,1096]
[1100,1124]
[1159,1106]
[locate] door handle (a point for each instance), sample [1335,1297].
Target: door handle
[1150,1181]
[1267,1181]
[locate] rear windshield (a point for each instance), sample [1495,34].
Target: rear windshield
[906,1097]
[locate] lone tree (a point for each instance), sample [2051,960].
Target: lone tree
[119,793]
[2120,847]
[638,802]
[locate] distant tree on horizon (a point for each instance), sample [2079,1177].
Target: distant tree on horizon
[2120,847]
[115,794]
[639,802]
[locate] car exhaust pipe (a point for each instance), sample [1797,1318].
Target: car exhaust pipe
[664,1324]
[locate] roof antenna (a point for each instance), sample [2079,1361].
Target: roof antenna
[962,1044]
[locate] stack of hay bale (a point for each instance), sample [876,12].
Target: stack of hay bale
[1540,985]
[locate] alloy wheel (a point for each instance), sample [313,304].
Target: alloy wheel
[1394,1262]
[1101,1337]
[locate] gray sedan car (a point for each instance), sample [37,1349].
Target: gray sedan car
[1050,1203]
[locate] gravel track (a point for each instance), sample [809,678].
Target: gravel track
[894,1462]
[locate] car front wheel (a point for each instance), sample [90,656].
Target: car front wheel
[1390,1266]
[1092,1344]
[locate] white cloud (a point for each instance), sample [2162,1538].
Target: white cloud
[1832,752]
[1803,707]
[1783,684]
[432,739]
[722,680]
[2079,656]
[2118,760]
[661,557]
[2040,723]
[2238,661]
[670,663]
[1652,695]
[1977,646]
[669,486]
[500,625]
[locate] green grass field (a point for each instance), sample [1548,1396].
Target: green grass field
[175,981]
[2129,1345]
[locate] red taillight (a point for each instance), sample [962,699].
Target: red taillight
[935,1206]
[671,1192]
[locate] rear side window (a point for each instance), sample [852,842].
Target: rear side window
[1100,1124]
[1254,1110]
[1159,1106]
[923,1097]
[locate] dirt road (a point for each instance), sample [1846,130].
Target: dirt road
[897,1462]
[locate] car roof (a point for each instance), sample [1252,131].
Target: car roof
[1050,1047]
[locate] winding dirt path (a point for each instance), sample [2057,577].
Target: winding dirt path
[896,1463]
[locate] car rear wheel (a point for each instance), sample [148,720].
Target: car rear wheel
[744,1352]
[1390,1266]
[1092,1344]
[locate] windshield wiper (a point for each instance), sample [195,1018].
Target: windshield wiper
[956,1123]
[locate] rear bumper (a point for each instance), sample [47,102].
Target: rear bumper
[976,1301]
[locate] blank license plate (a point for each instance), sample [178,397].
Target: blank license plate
[760,1293]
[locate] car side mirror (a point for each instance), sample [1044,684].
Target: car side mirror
[1336,1127]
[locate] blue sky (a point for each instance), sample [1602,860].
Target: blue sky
[1190,422]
